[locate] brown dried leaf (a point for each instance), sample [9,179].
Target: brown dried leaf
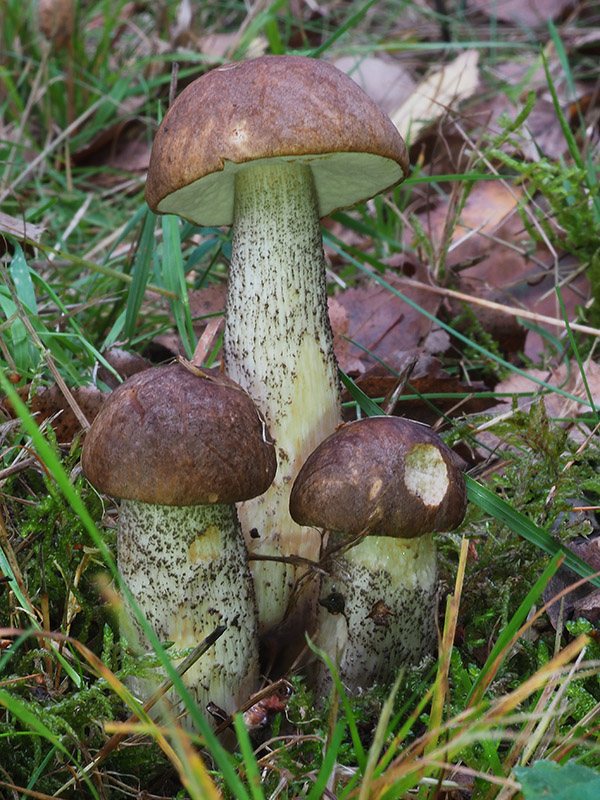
[383,323]
[581,602]
[385,80]
[204,302]
[489,208]
[50,402]
[523,12]
[504,328]
[125,364]
[56,19]
[20,228]
[122,147]
[427,377]
[490,233]
[436,94]
[566,377]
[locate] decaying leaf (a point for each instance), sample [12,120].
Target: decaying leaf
[120,147]
[382,325]
[20,228]
[585,600]
[566,377]
[204,304]
[436,94]
[523,12]
[386,81]
[123,362]
[56,19]
[427,377]
[51,403]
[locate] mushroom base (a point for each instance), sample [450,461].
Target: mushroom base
[187,568]
[377,610]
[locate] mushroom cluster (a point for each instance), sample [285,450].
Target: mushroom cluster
[180,449]
[271,145]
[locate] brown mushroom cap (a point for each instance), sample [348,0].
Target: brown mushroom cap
[170,437]
[273,107]
[386,475]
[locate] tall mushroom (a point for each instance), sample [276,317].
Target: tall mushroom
[271,145]
[180,449]
[389,483]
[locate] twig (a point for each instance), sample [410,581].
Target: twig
[510,310]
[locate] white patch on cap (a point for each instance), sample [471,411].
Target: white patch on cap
[240,133]
[426,474]
[375,488]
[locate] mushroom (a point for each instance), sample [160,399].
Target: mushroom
[271,145]
[180,448]
[386,483]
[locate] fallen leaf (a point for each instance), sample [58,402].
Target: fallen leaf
[384,324]
[20,228]
[427,377]
[51,402]
[567,377]
[120,147]
[436,94]
[523,12]
[385,80]
[584,601]
[123,362]
[204,303]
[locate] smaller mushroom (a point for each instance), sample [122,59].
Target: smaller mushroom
[386,483]
[180,448]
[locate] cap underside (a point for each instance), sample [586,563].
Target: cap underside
[341,181]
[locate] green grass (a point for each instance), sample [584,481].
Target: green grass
[507,689]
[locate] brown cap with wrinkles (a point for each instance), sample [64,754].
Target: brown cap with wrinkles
[385,475]
[170,437]
[287,107]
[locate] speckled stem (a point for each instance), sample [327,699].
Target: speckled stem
[278,346]
[187,568]
[388,590]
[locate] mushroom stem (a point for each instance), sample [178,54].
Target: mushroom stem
[278,347]
[187,567]
[377,609]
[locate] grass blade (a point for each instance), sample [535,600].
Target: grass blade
[504,512]
[500,649]
[249,761]
[349,23]
[141,273]
[328,765]
[351,721]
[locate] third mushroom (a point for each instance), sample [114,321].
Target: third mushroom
[379,487]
